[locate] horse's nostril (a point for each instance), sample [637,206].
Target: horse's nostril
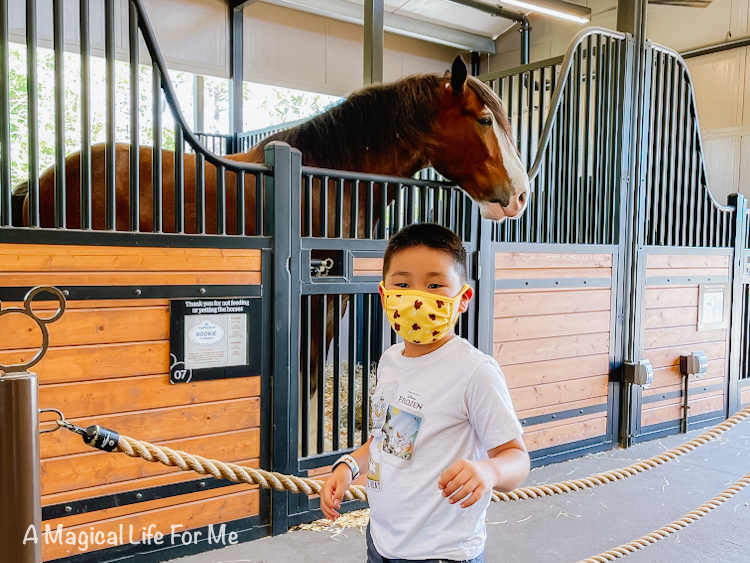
[522,198]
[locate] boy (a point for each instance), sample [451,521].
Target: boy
[444,431]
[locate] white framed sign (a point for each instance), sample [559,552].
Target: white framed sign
[713,306]
[210,338]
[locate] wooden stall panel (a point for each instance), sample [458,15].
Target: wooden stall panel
[553,344]
[31,265]
[108,364]
[370,267]
[183,516]
[671,330]
[745,396]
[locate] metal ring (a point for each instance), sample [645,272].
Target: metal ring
[41,323]
[45,289]
[59,421]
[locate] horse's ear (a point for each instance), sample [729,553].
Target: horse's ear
[458,75]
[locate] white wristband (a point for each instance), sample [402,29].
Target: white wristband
[350,462]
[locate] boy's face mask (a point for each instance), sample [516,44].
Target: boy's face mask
[418,316]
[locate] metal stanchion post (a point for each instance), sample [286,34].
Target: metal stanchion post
[20,495]
[21,505]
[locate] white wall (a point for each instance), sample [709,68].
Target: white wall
[283,47]
[289,48]
[721,80]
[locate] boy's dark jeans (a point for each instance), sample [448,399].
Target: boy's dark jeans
[374,557]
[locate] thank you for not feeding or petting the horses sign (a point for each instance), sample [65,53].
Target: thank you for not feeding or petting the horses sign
[210,338]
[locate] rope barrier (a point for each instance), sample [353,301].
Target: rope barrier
[598,479]
[677,525]
[108,440]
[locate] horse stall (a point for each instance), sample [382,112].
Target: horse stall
[621,264]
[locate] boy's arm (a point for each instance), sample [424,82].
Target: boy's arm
[338,482]
[507,467]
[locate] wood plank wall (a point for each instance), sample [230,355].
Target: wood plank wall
[671,329]
[108,364]
[554,344]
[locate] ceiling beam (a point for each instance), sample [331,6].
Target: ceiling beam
[400,25]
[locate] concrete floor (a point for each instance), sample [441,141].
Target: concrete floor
[570,527]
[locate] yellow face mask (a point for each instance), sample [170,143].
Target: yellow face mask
[418,316]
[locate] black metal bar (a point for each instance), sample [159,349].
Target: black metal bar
[339,229]
[336,426]
[306,320]
[157,225]
[85,153]
[200,193]
[369,209]
[221,201]
[602,143]
[179,180]
[6,215]
[110,197]
[134,200]
[260,203]
[354,214]
[587,115]
[239,188]
[680,166]
[352,373]
[32,88]
[308,183]
[671,153]
[59,44]
[321,385]
[383,210]
[652,179]
[367,326]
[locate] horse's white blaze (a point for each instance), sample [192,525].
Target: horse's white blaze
[519,180]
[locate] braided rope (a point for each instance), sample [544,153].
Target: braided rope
[597,479]
[677,525]
[305,485]
[230,471]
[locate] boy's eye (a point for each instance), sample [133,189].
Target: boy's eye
[434,286]
[401,284]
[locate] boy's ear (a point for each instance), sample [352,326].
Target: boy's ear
[463,305]
[380,291]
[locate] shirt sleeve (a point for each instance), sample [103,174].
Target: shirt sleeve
[490,408]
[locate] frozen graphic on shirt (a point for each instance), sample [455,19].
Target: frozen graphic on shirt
[384,394]
[400,431]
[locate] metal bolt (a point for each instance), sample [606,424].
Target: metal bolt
[137,292]
[68,508]
[138,496]
[66,292]
[202,484]
[202,291]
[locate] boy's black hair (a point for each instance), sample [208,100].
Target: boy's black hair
[430,235]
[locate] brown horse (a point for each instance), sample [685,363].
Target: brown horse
[454,123]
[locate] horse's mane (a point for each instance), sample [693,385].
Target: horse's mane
[373,118]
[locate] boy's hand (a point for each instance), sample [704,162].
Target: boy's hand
[333,491]
[465,478]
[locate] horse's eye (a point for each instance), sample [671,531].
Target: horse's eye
[486,121]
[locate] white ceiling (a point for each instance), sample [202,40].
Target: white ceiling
[438,21]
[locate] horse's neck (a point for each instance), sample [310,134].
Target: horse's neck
[402,161]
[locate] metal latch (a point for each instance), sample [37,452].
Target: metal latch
[320,267]
[639,373]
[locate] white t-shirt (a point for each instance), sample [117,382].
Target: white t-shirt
[429,412]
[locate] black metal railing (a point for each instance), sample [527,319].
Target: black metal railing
[680,209]
[565,116]
[367,206]
[199,208]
